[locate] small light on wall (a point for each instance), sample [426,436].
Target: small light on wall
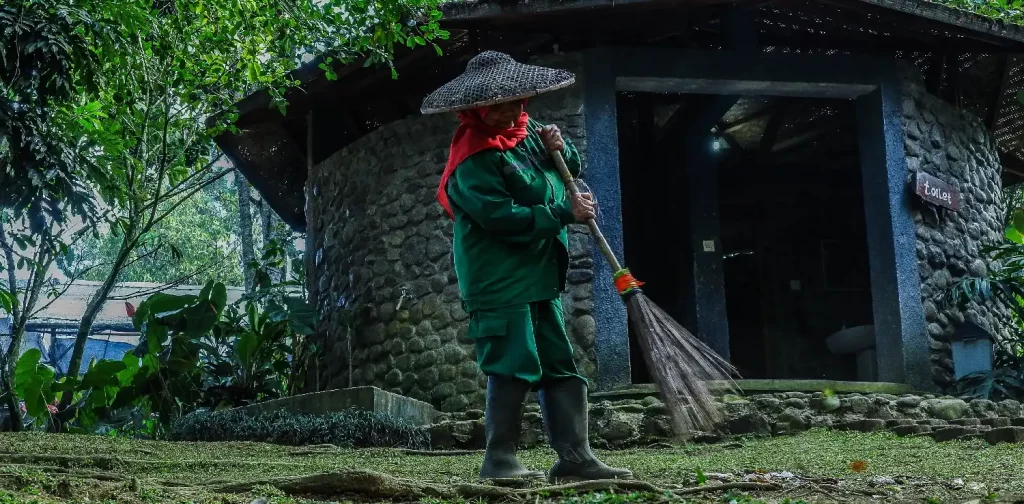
[716,145]
[972,350]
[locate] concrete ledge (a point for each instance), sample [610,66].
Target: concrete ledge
[372,399]
[759,386]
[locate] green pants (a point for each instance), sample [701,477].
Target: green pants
[525,341]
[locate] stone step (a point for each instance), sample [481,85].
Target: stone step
[371,399]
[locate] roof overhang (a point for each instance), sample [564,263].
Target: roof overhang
[282,181]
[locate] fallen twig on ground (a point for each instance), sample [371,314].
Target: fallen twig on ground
[99,461]
[739,485]
[440,453]
[371,484]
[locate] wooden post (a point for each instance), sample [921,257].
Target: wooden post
[310,251]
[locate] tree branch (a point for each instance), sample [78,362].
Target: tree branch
[192,192]
[12,276]
[67,286]
[170,285]
[183,187]
[138,258]
[162,169]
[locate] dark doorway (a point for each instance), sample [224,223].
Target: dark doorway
[794,251]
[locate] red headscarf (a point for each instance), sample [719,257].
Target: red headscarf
[472,136]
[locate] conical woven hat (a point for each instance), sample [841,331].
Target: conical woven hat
[491,78]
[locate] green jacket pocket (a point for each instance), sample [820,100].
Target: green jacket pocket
[487,325]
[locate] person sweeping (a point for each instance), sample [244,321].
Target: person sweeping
[510,209]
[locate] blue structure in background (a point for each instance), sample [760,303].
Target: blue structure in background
[57,352]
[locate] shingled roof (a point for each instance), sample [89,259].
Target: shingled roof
[965,49]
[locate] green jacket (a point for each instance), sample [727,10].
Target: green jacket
[511,211]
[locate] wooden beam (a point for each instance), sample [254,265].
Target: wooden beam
[996,101]
[798,140]
[675,124]
[311,231]
[767,109]
[771,130]
[960,21]
[459,14]
[936,74]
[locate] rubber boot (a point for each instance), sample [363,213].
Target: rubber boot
[564,406]
[503,424]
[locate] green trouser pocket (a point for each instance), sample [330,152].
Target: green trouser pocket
[505,344]
[527,342]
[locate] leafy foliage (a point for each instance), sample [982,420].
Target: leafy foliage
[196,351]
[47,63]
[1011,11]
[33,382]
[1004,286]
[197,240]
[107,102]
[1005,381]
[36,383]
[348,429]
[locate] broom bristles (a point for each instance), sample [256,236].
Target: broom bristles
[681,366]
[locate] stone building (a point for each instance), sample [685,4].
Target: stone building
[756,165]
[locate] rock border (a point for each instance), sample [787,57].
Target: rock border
[631,423]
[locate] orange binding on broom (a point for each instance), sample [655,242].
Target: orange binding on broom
[625,282]
[681,364]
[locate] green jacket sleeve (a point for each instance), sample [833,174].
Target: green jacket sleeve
[478,189]
[573,161]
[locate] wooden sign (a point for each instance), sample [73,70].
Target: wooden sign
[936,191]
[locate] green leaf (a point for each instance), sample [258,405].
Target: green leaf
[131,366]
[245,348]
[6,301]
[301,315]
[156,336]
[219,297]
[1014,236]
[160,303]
[204,295]
[25,370]
[33,382]
[1018,220]
[103,374]
[701,478]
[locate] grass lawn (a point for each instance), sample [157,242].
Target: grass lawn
[822,467]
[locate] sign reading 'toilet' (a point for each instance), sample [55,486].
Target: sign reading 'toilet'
[936,191]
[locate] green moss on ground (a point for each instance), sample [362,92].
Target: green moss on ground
[50,468]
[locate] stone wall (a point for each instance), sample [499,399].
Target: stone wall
[631,423]
[958,148]
[385,259]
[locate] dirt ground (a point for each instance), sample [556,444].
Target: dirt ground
[817,466]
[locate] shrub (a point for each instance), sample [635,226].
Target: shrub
[348,429]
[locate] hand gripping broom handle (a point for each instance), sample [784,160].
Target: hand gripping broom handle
[591,223]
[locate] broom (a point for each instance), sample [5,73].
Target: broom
[681,364]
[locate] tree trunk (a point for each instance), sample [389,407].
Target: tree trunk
[6,364]
[265,216]
[29,299]
[273,230]
[92,310]
[245,228]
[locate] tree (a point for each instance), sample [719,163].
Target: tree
[196,242]
[33,254]
[245,229]
[192,60]
[49,58]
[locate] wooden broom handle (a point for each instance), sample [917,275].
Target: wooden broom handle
[595,231]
